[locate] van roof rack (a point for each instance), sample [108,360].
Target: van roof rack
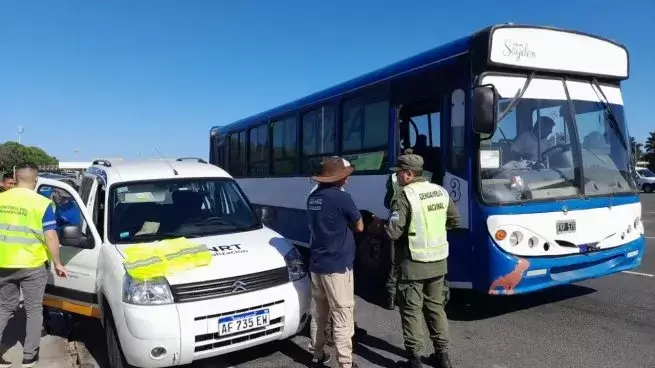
[197,159]
[105,163]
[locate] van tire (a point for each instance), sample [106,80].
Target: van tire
[115,356]
[648,188]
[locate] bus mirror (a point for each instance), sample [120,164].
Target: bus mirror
[485,103]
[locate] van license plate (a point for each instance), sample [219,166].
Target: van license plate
[566,226]
[243,322]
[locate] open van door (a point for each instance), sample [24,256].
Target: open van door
[77,293]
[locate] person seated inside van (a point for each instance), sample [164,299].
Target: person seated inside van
[66,210]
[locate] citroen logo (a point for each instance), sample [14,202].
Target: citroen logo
[565,209]
[238,286]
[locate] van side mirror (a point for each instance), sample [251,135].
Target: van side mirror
[266,215]
[71,236]
[485,106]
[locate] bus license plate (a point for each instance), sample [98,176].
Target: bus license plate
[243,322]
[566,226]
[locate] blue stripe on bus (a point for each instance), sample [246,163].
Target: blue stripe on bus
[558,205]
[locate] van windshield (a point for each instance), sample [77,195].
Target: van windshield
[646,173]
[163,209]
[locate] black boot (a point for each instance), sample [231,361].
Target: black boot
[391,302]
[440,360]
[412,362]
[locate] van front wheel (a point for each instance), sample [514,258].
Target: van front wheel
[648,188]
[115,356]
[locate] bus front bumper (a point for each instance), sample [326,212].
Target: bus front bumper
[520,275]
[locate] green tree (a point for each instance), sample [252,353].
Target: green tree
[637,150]
[14,154]
[649,147]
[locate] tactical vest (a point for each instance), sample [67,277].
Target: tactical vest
[148,261]
[427,237]
[22,243]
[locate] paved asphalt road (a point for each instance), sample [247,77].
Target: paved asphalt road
[608,322]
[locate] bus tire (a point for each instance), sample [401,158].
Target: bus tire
[648,188]
[115,356]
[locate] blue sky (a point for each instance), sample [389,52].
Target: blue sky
[117,78]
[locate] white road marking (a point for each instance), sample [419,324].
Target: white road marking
[650,237]
[639,273]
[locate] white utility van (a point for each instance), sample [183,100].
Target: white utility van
[645,179]
[255,290]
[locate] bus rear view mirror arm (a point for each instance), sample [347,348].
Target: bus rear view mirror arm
[485,105]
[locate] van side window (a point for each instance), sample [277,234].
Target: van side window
[85,189]
[67,212]
[99,210]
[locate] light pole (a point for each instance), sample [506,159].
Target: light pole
[21,130]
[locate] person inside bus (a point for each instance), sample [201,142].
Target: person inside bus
[528,146]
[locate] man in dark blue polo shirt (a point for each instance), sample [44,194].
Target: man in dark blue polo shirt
[333,216]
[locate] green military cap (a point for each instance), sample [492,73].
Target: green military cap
[408,161]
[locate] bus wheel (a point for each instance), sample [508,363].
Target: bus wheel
[648,188]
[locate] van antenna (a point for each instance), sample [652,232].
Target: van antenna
[169,164]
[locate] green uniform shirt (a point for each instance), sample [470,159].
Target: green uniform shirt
[396,230]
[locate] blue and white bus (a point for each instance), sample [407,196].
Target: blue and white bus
[524,125]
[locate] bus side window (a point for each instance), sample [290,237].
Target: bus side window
[365,133]
[284,146]
[237,150]
[457,155]
[427,143]
[318,137]
[258,164]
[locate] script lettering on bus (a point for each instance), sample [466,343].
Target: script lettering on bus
[518,50]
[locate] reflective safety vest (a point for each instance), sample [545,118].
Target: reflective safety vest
[427,237]
[22,243]
[160,259]
[394,180]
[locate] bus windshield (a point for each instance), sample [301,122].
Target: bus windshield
[544,142]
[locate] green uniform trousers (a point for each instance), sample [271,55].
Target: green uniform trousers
[419,300]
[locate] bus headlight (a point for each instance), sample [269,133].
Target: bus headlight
[515,238]
[295,265]
[149,292]
[636,223]
[533,242]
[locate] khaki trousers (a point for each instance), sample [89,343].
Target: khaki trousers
[333,297]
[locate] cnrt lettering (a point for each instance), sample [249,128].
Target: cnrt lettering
[225,248]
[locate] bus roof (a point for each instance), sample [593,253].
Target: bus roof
[427,58]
